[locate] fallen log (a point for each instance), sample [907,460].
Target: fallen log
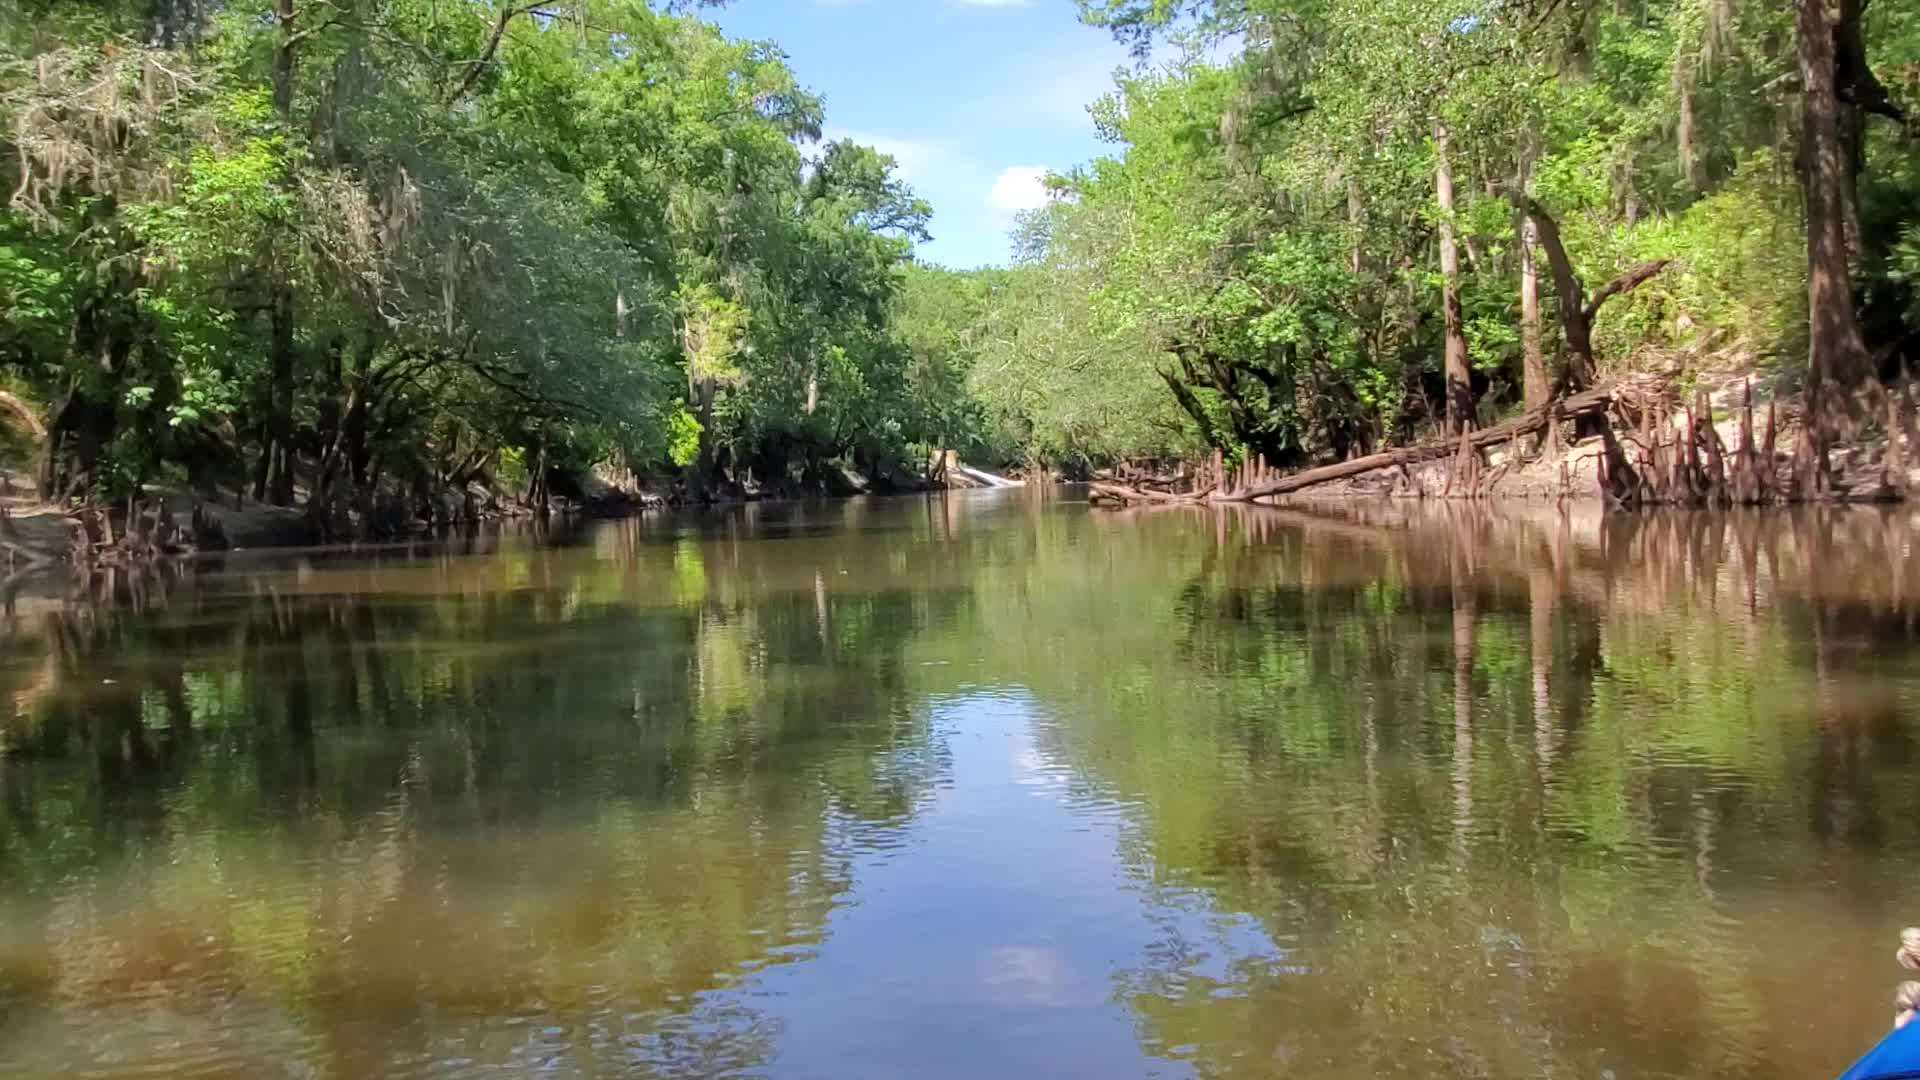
[1104,489]
[1586,403]
[988,478]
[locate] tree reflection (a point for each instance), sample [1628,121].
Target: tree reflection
[1515,793]
[1461,793]
[390,805]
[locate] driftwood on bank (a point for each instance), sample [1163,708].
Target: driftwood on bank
[1255,480]
[1109,491]
[1587,403]
[1135,482]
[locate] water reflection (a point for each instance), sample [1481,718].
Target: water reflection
[1535,797]
[399,812]
[957,786]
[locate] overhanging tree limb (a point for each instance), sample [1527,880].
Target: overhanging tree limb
[1625,283]
[1577,311]
[476,67]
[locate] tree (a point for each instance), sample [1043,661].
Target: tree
[393,245]
[1836,354]
[1413,131]
[1537,388]
[1458,377]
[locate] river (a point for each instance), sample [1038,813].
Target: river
[984,785]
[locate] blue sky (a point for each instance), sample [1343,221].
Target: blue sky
[977,99]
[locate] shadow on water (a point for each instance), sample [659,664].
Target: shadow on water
[950,785]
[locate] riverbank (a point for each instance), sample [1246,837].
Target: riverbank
[1630,443]
[217,517]
[35,534]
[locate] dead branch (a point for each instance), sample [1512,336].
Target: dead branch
[1587,403]
[1625,283]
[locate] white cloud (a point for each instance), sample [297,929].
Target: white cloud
[1021,187]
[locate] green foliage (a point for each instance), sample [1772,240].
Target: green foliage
[611,232]
[712,330]
[614,218]
[683,437]
[1264,237]
[510,467]
[36,293]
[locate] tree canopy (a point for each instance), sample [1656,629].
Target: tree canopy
[345,240]
[1325,227]
[330,245]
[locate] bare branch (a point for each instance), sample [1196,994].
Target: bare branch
[475,67]
[298,36]
[1626,282]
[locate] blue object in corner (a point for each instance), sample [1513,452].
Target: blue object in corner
[1896,1058]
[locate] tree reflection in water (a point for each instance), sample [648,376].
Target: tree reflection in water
[1324,792]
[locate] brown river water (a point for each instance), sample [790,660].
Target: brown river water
[989,785]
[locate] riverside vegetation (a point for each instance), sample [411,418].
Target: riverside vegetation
[953,787]
[358,254]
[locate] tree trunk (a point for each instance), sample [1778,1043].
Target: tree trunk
[1190,403]
[1356,220]
[1837,355]
[1850,119]
[1860,93]
[85,422]
[1459,378]
[1577,311]
[703,411]
[1533,359]
[275,482]
[1570,294]
[1686,131]
[347,450]
[81,429]
[284,15]
[172,23]
[275,479]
